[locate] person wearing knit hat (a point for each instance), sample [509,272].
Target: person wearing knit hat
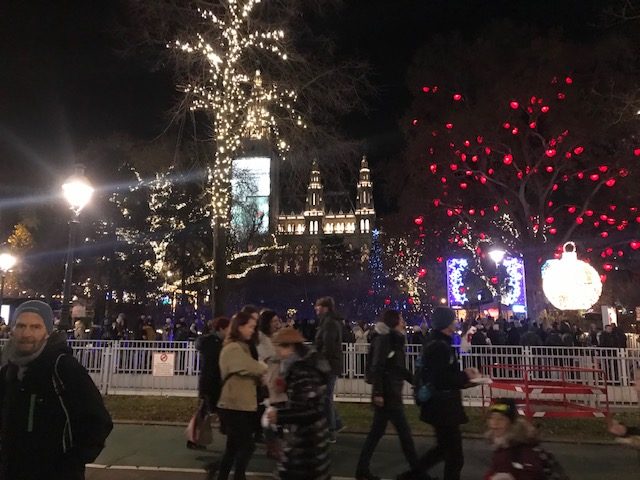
[443,408]
[506,407]
[31,324]
[287,336]
[40,308]
[54,421]
[442,318]
[517,454]
[304,377]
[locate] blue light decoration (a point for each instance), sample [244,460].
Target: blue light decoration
[456,291]
[514,295]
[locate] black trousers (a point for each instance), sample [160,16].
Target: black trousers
[240,428]
[448,449]
[381,417]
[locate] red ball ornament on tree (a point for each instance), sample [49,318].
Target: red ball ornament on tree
[508,159]
[387,301]
[635,244]
[568,80]
[514,105]
[607,267]
[578,150]
[544,109]
[636,152]
[571,209]
[594,177]
[457,97]
[611,182]
[418,220]
[551,152]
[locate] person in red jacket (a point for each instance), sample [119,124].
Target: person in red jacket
[516,455]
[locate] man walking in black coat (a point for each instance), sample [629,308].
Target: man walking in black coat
[387,373]
[52,417]
[444,411]
[328,343]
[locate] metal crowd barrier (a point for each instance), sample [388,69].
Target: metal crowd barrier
[126,367]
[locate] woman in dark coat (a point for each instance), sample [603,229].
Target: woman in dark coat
[306,455]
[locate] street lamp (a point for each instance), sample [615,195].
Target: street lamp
[7,262]
[78,192]
[497,256]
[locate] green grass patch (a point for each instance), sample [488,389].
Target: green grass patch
[357,417]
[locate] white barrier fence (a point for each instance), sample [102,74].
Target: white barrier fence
[126,368]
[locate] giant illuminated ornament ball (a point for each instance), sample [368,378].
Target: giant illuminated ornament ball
[569,283]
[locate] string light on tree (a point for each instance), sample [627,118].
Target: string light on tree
[236,97]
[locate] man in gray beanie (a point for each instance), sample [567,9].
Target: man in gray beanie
[52,417]
[443,410]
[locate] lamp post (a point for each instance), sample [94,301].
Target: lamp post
[7,261]
[78,192]
[497,256]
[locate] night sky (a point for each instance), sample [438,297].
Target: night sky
[65,82]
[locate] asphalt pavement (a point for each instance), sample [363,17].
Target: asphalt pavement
[139,452]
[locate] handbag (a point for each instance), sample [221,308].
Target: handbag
[199,428]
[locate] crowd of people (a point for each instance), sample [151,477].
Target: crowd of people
[266,382]
[296,417]
[483,332]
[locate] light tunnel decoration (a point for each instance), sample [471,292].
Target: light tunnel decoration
[514,292]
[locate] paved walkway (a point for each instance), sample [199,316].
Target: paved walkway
[160,449]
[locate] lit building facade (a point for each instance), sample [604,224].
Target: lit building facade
[305,231]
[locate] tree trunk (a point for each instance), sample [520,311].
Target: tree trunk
[536,301]
[219,273]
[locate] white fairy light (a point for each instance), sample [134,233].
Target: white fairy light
[239,103]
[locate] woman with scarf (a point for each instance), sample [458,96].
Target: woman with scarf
[304,374]
[238,403]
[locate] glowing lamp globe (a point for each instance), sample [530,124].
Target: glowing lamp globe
[77,191]
[7,262]
[569,283]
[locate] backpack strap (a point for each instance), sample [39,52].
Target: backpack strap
[59,388]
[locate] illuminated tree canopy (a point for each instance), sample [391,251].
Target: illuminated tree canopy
[528,154]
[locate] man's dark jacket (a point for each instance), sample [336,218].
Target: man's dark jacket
[441,370]
[387,369]
[329,341]
[45,434]
[210,381]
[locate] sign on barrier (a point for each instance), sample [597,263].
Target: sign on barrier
[163,364]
